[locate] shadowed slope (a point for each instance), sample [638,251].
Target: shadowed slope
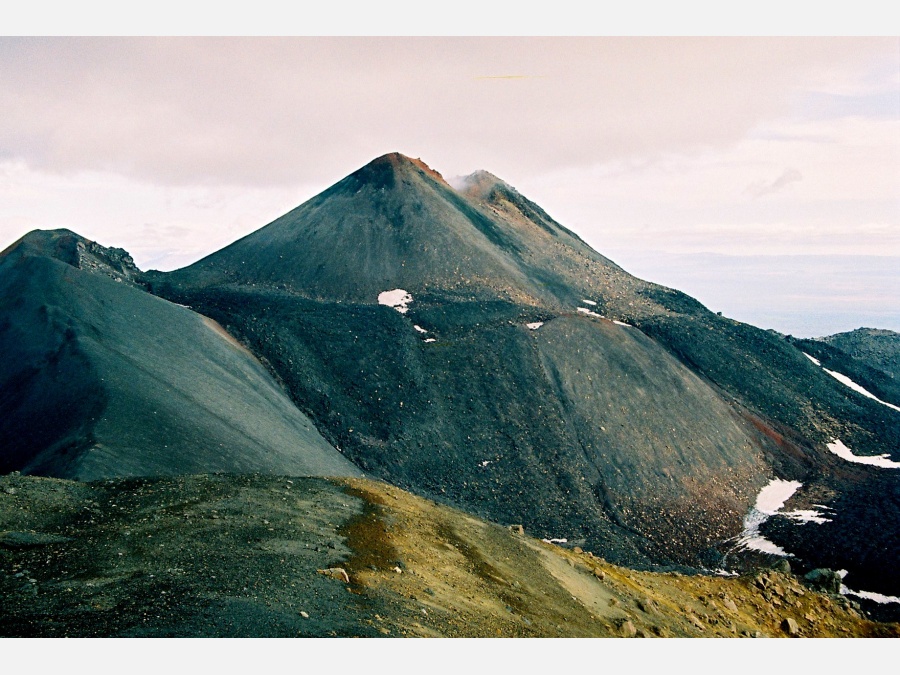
[101,379]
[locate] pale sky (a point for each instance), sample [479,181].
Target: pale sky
[174,147]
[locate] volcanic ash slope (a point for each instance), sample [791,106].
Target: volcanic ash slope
[101,379]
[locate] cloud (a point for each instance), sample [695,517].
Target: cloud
[265,111]
[759,189]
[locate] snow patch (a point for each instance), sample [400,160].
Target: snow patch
[809,516]
[535,325]
[420,329]
[725,573]
[585,310]
[590,302]
[769,501]
[868,595]
[485,462]
[622,323]
[430,340]
[814,360]
[843,379]
[397,298]
[773,496]
[555,541]
[842,451]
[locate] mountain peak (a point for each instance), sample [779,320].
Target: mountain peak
[384,169]
[77,251]
[480,184]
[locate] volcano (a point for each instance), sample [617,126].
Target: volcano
[460,343]
[525,377]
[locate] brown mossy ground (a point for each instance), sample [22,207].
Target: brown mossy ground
[470,578]
[241,556]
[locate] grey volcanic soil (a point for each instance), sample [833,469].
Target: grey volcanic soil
[514,424]
[100,379]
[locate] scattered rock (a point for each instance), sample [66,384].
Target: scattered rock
[825,580]
[647,606]
[728,604]
[397,569]
[304,615]
[790,626]
[338,573]
[577,549]
[10,490]
[517,529]
[627,629]
[600,574]
[696,621]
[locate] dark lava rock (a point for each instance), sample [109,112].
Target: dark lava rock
[824,580]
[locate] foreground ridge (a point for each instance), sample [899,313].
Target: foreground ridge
[235,556]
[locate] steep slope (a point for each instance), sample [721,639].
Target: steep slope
[244,556]
[101,379]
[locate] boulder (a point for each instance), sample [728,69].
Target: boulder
[338,573]
[647,606]
[825,580]
[782,566]
[628,630]
[790,626]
